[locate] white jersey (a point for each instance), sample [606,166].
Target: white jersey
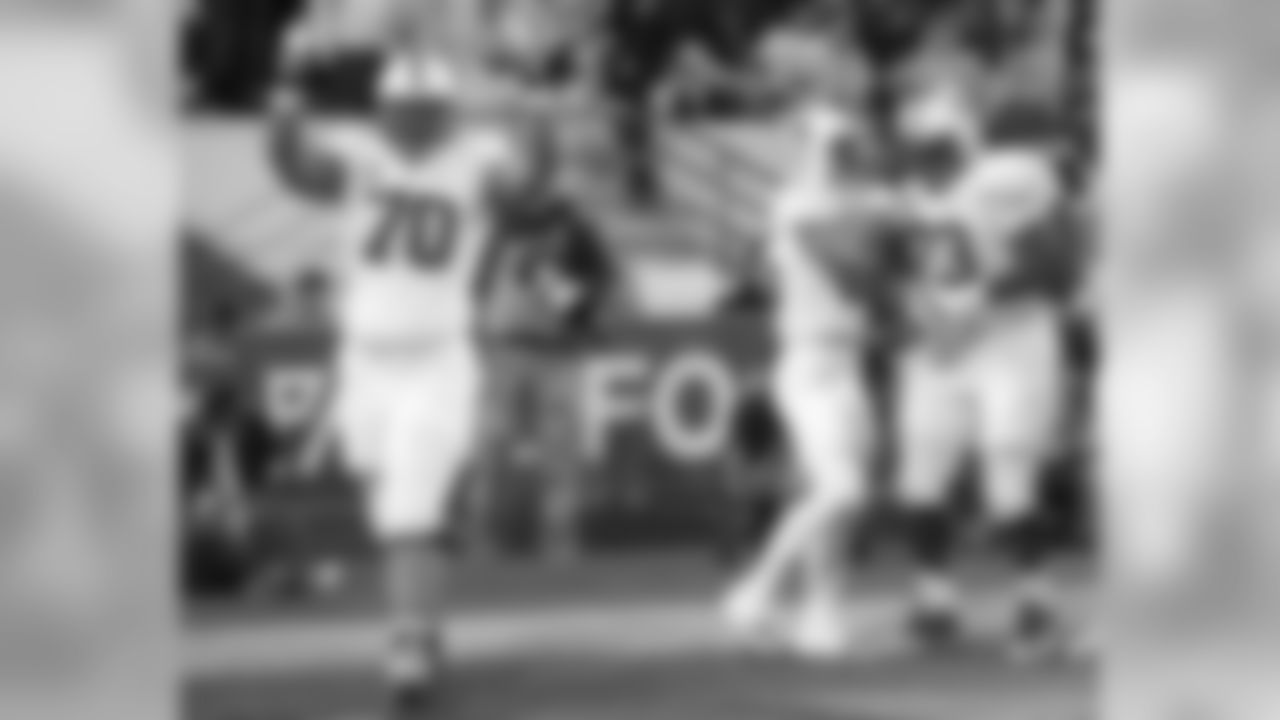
[811,302]
[414,236]
[983,219]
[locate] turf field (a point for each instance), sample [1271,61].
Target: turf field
[630,640]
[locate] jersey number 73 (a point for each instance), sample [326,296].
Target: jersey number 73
[419,231]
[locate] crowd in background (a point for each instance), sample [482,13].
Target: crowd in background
[648,63]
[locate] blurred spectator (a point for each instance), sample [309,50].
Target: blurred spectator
[236,446]
[642,46]
[544,42]
[341,76]
[230,47]
[215,460]
[889,31]
[305,304]
[287,367]
[550,305]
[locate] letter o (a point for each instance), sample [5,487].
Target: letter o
[687,438]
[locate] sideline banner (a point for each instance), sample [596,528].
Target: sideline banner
[663,398]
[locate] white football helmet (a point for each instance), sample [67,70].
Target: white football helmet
[1006,192]
[940,134]
[418,78]
[942,115]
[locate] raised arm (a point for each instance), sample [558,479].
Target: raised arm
[301,161]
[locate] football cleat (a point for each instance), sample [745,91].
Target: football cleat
[820,635]
[414,682]
[748,611]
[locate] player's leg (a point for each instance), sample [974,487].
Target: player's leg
[366,405]
[823,407]
[562,487]
[359,415]
[1020,401]
[432,426]
[931,439]
[835,457]
[754,599]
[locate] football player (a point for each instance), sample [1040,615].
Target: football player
[823,252]
[549,299]
[421,197]
[983,372]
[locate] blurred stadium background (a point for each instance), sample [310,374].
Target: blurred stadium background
[668,164]
[621,462]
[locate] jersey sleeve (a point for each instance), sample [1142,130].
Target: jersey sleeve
[348,146]
[496,154]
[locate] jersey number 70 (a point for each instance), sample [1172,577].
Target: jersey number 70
[420,231]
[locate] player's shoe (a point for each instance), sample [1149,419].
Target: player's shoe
[819,634]
[934,622]
[412,701]
[415,680]
[749,612]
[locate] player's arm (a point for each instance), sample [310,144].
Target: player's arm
[856,243]
[300,159]
[522,178]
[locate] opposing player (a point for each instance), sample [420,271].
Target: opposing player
[983,373]
[823,252]
[420,200]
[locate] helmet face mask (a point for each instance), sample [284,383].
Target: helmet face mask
[415,125]
[939,138]
[416,98]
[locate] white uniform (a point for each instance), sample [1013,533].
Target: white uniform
[986,376]
[414,237]
[818,383]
